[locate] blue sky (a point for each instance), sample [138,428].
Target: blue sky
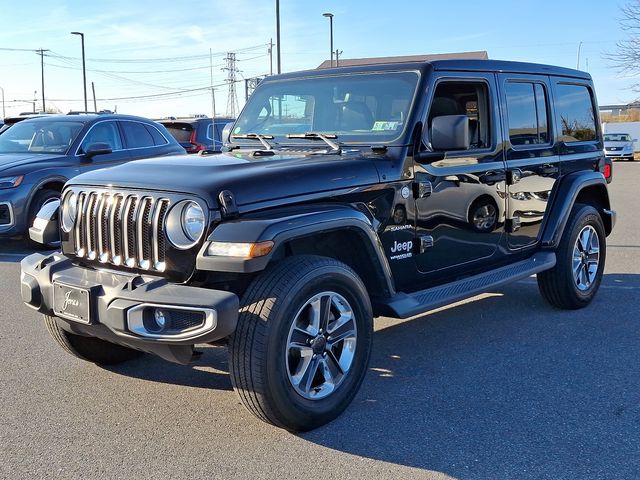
[159,49]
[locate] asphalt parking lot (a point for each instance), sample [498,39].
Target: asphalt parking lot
[501,386]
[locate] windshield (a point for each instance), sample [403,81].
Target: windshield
[362,108]
[39,137]
[617,137]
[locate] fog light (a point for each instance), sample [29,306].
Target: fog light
[157,320]
[160,319]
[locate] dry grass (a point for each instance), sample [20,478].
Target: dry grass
[632,116]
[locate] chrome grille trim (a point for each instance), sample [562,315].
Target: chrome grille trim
[158,232]
[121,229]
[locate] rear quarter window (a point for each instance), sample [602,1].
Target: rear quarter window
[137,135]
[574,108]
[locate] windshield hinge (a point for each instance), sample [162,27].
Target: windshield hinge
[228,205]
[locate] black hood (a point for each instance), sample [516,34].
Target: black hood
[20,163]
[251,179]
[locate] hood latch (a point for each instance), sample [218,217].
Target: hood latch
[228,204]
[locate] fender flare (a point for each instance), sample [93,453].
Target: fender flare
[564,200]
[284,225]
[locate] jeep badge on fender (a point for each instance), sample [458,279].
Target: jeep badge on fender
[342,194]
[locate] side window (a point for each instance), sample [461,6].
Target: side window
[527,113]
[136,135]
[158,138]
[464,98]
[575,109]
[103,132]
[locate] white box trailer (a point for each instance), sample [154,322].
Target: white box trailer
[632,128]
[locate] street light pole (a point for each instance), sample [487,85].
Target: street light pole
[84,71]
[330,17]
[278,33]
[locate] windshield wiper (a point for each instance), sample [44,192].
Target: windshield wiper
[257,136]
[326,138]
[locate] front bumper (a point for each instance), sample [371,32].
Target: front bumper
[115,299]
[619,154]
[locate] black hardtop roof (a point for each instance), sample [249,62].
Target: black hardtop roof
[470,65]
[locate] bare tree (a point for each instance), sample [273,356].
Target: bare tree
[626,58]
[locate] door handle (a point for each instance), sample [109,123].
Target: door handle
[492,177]
[548,170]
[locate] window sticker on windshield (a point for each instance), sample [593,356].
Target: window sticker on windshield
[385,126]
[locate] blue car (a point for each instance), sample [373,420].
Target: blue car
[37,157]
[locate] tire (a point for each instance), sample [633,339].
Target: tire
[561,286]
[90,349]
[39,200]
[268,354]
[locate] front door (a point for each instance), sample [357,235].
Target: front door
[460,204]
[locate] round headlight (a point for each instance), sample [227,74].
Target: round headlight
[193,221]
[69,212]
[185,224]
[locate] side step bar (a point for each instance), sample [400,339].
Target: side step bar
[404,305]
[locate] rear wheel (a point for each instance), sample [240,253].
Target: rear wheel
[576,277]
[90,349]
[302,344]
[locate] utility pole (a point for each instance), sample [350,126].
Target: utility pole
[271,56]
[93,88]
[278,33]
[213,102]
[41,53]
[232,99]
[338,53]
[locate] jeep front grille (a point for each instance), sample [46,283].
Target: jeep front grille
[121,229]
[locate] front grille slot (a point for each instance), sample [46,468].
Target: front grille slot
[121,229]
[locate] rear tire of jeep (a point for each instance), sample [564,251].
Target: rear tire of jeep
[581,254]
[90,349]
[302,344]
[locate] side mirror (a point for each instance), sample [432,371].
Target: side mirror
[450,132]
[97,149]
[226,133]
[45,226]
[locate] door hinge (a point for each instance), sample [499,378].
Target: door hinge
[422,189]
[514,176]
[426,242]
[512,224]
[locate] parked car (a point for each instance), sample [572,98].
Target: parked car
[288,244]
[38,155]
[619,146]
[197,134]
[9,121]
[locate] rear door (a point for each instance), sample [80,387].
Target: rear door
[460,204]
[533,164]
[142,140]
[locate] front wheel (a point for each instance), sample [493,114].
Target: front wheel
[90,349]
[576,277]
[302,344]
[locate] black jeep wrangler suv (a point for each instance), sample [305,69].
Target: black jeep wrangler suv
[343,194]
